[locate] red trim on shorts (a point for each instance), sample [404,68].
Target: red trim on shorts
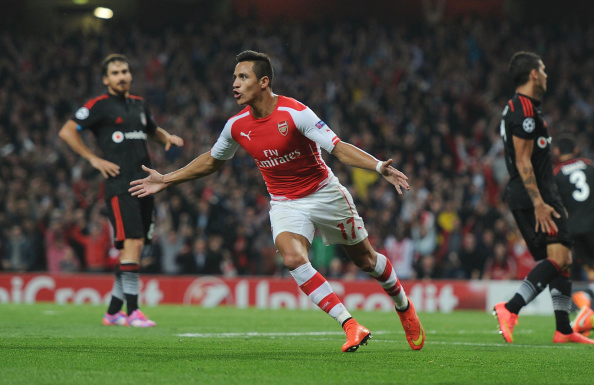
[115,206]
[349,203]
[129,267]
[313,283]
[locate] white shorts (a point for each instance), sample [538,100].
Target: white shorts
[331,210]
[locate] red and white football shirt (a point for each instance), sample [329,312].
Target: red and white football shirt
[285,145]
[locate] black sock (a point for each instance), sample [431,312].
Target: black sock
[115,305]
[515,304]
[562,321]
[131,302]
[561,294]
[536,281]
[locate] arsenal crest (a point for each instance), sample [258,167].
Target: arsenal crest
[283,128]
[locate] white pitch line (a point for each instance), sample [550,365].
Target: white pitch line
[374,333]
[556,346]
[258,334]
[336,333]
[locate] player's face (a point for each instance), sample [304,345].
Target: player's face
[246,85]
[541,79]
[118,79]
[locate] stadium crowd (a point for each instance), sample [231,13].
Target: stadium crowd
[428,96]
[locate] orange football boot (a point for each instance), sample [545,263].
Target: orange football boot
[507,321]
[583,322]
[356,336]
[415,334]
[560,338]
[581,299]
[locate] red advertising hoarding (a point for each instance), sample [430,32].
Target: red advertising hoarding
[209,291]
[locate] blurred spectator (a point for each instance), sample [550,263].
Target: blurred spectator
[192,257]
[95,236]
[216,254]
[59,254]
[453,268]
[17,250]
[336,268]
[69,263]
[472,257]
[171,244]
[424,234]
[522,258]
[500,266]
[427,268]
[399,249]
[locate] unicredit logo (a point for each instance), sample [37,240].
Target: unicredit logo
[207,292]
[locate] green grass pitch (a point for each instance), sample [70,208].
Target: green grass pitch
[53,344]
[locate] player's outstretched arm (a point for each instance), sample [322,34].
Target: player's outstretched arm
[354,156]
[152,184]
[202,166]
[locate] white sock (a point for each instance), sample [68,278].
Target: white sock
[386,276]
[319,291]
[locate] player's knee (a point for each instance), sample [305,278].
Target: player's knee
[560,255]
[294,260]
[132,249]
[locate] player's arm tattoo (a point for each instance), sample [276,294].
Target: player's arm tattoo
[530,183]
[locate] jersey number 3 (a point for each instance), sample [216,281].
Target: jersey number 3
[582,190]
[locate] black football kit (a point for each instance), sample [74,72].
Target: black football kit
[121,126]
[522,118]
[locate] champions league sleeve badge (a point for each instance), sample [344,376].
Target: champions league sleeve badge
[82,113]
[528,125]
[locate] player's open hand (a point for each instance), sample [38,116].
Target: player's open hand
[544,219]
[173,139]
[394,176]
[152,184]
[107,168]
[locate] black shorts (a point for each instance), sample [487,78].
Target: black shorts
[131,217]
[583,249]
[537,242]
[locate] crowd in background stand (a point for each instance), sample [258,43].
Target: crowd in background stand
[429,96]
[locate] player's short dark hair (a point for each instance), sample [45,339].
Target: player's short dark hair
[262,63]
[113,58]
[565,143]
[520,66]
